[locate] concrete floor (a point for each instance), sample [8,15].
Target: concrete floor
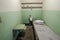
[28,34]
[45,33]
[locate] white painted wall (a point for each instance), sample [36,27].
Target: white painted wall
[51,4]
[9,5]
[10,16]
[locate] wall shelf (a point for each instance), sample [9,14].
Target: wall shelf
[30,7]
[33,3]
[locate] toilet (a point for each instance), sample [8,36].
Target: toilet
[40,22]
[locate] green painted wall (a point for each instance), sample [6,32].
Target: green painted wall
[52,19]
[35,13]
[9,21]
